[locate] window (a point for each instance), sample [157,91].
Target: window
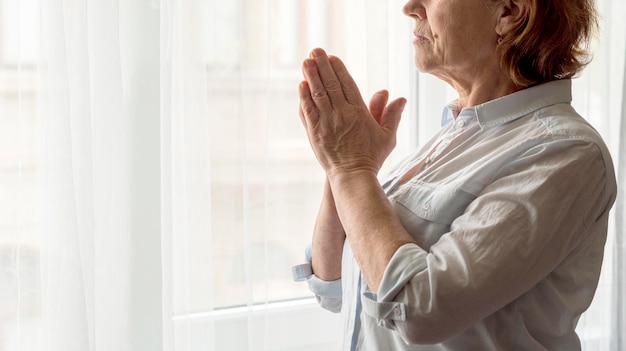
[244,217]
[265,182]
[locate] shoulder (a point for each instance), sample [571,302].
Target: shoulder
[563,120]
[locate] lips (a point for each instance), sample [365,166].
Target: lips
[420,37]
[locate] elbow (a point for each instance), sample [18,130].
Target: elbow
[420,329]
[412,323]
[330,304]
[423,334]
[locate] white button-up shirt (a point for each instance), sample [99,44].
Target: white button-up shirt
[510,218]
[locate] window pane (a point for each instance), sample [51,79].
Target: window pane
[265,183]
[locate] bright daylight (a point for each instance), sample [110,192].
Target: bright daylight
[304,175]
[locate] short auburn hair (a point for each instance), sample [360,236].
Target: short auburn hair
[552,43]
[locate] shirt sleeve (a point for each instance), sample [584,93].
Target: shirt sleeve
[327,293]
[544,208]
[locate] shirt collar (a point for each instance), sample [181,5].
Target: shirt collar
[513,106]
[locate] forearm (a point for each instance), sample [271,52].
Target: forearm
[328,239]
[348,136]
[369,221]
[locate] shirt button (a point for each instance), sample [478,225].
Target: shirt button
[397,311]
[426,206]
[461,124]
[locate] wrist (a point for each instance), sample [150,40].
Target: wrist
[351,187]
[344,176]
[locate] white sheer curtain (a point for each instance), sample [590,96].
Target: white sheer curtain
[98,75]
[156,184]
[76,266]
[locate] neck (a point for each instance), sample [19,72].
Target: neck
[483,86]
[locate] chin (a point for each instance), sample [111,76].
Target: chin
[422,66]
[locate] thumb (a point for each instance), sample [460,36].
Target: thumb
[390,118]
[377,104]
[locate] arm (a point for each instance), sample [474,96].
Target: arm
[351,143]
[374,231]
[329,235]
[328,239]
[322,272]
[537,230]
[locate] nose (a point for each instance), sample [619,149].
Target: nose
[414,9]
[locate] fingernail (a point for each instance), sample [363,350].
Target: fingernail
[317,52]
[309,63]
[402,104]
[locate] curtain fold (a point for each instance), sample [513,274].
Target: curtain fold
[186,178]
[98,172]
[84,175]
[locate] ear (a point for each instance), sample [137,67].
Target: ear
[512,15]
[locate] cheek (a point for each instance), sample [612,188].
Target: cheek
[469,36]
[447,32]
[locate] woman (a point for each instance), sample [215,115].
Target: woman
[490,237]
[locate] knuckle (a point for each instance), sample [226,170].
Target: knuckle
[351,86]
[333,86]
[319,93]
[308,110]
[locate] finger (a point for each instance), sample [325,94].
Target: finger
[317,91]
[327,75]
[307,108]
[378,103]
[392,114]
[349,88]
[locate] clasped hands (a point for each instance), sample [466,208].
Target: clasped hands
[346,135]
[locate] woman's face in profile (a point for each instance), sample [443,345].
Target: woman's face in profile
[453,38]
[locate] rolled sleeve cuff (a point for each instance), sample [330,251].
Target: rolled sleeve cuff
[323,288]
[406,262]
[303,273]
[327,293]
